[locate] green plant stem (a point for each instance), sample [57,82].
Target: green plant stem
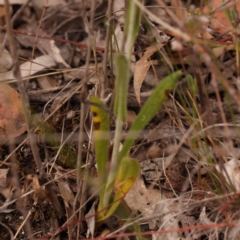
[130,39]
[114,162]
[123,64]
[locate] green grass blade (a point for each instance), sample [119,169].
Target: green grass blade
[121,88]
[149,109]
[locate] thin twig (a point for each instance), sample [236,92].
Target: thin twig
[83,95]
[21,88]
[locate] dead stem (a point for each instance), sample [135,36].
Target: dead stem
[81,195]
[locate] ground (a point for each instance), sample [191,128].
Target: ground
[188,152]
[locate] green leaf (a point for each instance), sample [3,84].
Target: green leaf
[121,87]
[101,141]
[150,108]
[132,22]
[128,173]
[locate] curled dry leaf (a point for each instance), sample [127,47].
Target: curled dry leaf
[220,21]
[141,68]
[12,122]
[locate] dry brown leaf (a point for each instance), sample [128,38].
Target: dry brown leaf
[221,22]
[141,68]
[32,182]
[139,198]
[12,122]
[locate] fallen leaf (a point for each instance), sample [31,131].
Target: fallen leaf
[203,218]
[91,221]
[44,45]
[142,199]
[230,171]
[52,50]
[12,122]
[39,192]
[168,220]
[220,21]
[141,68]
[31,67]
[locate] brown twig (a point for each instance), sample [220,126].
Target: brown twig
[21,87]
[83,94]
[17,75]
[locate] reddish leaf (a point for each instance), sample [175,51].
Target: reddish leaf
[12,122]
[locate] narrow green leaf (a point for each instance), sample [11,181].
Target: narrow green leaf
[149,109]
[101,141]
[121,87]
[128,173]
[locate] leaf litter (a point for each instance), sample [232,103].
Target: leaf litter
[189,153]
